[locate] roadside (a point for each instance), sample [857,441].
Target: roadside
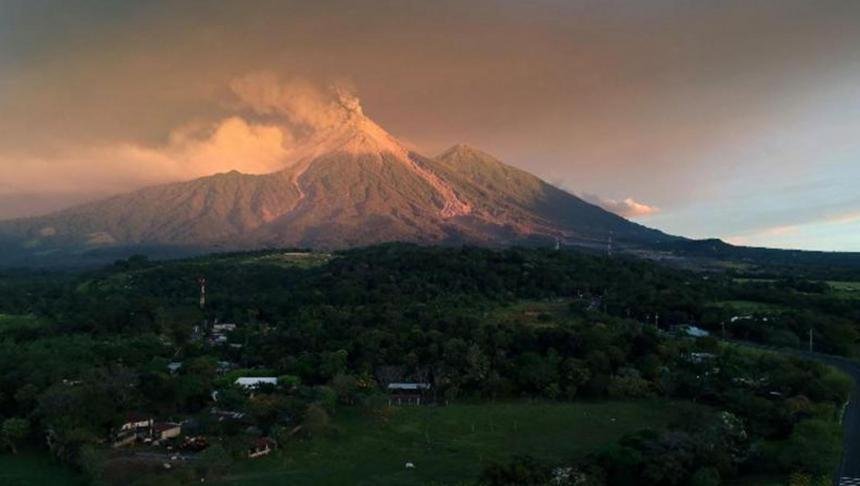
[849,468]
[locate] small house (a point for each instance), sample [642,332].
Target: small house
[699,358]
[174,367]
[223,327]
[690,330]
[227,415]
[260,447]
[166,430]
[136,427]
[407,393]
[254,382]
[137,421]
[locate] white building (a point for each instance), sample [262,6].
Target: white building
[223,327]
[251,382]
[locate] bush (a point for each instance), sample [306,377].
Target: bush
[521,471]
[706,476]
[814,447]
[628,384]
[317,421]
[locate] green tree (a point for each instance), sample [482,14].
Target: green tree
[317,421]
[333,363]
[13,431]
[214,461]
[346,387]
[814,447]
[706,476]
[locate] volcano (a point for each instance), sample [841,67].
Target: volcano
[352,184]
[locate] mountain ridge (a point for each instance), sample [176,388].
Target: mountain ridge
[350,184]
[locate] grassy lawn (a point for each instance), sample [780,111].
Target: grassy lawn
[32,468]
[294,259]
[846,290]
[756,280]
[12,323]
[532,312]
[286,259]
[449,445]
[751,307]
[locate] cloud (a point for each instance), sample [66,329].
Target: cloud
[301,103]
[775,234]
[764,233]
[230,144]
[192,150]
[843,218]
[269,121]
[628,208]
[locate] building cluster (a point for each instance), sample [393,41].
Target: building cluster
[218,333]
[144,429]
[141,428]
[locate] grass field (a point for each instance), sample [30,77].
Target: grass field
[846,290]
[752,307]
[532,312]
[13,323]
[449,445]
[294,259]
[31,468]
[286,259]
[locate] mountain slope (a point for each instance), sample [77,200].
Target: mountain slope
[353,184]
[508,194]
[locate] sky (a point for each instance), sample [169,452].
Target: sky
[734,119]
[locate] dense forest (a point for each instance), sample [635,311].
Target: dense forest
[80,351]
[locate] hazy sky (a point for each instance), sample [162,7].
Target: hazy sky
[709,118]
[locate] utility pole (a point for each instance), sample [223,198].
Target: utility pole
[723,325]
[202,282]
[810,339]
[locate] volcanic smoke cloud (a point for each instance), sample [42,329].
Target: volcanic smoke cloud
[270,120]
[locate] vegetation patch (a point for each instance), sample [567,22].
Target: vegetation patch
[748,306]
[451,444]
[33,468]
[845,290]
[129,357]
[532,312]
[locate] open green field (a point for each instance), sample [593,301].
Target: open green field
[758,280]
[286,259]
[451,444]
[13,323]
[845,290]
[31,468]
[532,312]
[752,307]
